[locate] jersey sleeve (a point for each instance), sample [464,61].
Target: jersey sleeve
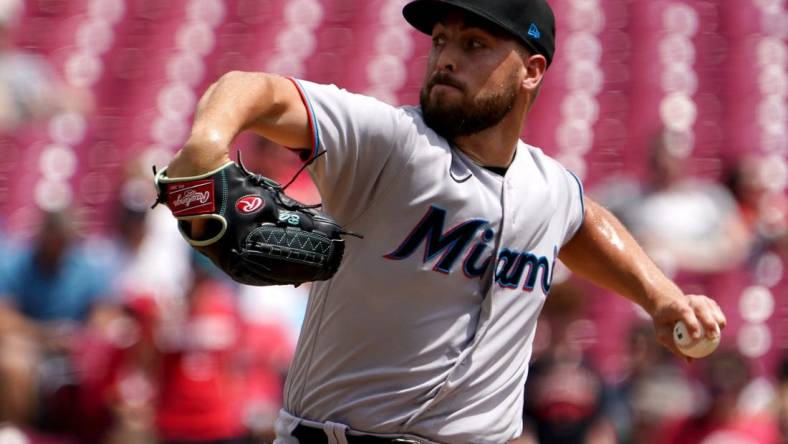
[575,208]
[566,194]
[362,138]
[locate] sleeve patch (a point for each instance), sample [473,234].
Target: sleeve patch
[582,203]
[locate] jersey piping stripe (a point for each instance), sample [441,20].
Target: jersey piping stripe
[582,204]
[310,116]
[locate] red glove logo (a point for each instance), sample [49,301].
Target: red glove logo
[191,198]
[249,204]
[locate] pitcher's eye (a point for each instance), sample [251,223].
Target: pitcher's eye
[475,44]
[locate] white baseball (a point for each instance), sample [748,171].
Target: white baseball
[694,348]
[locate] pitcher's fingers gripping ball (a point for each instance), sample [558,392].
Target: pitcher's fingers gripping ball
[255,233]
[699,347]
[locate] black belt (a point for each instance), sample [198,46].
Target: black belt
[314,435]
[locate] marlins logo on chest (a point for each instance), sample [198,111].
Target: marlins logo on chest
[473,242]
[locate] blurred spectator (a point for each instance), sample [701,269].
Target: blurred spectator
[684,223]
[194,365]
[8,245]
[565,403]
[782,399]
[178,313]
[29,87]
[134,279]
[53,298]
[763,207]
[565,399]
[267,350]
[653,389]
[151,264]
[721,419]
[154,259]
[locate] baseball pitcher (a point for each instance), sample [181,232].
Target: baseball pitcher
[421,331]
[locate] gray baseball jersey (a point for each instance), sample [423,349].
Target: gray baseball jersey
[427,326]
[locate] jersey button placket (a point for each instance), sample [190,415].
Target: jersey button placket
[508,202]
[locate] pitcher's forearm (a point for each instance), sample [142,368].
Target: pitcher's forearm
[605,253]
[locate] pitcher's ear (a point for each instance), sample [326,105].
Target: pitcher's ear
[535,67]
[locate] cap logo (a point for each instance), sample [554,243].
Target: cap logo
[249,204]
[533,31]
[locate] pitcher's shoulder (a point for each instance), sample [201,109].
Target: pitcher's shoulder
[538,158]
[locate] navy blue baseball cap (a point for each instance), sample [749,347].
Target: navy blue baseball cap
[531,21]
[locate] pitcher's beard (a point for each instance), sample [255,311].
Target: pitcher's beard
[470,116]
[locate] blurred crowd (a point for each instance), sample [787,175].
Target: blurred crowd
[100,342]
[713,237]
[130,337]
[127,336]
[133,338]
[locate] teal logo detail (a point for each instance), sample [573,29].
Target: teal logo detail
[533,31]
